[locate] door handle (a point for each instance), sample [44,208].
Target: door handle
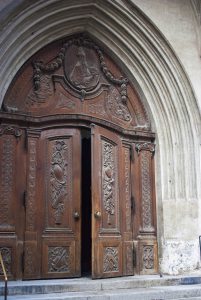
[76,215]
[97,214]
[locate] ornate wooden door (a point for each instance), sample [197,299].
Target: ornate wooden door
[112,249]
[52,234]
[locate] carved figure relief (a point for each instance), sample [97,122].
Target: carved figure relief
[58,179]
[108,179]
[84,75]
[6,253]
[58,259]
[148,257]
[41,95]
[110,260]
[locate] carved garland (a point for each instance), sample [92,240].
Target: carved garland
[40,68]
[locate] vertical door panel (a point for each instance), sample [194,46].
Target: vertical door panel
[58,203]
[108,216]
[12,180]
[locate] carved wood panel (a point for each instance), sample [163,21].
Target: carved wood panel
[12,178]
[110,240]
[60,171]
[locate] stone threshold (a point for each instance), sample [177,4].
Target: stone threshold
[86,284]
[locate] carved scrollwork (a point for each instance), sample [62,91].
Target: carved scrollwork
[145,146]
[108,176]
[110,260]
[148,257]
[5,129]
[58,259]
[146,191]
[58,179]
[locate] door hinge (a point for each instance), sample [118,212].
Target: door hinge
[26,140]
[134,257]
[132,153]
[22,262]
[133,203]
[24,199]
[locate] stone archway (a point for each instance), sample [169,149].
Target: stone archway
[63,89]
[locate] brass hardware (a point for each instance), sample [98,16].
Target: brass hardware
[5,277]
[76,215]
[97,214]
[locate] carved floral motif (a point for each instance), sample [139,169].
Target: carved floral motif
[6,253]
[127,189]
[115,105]
[110,260]
[148,257]
[146,190]
[7,171]
[58,179]
[145,146]
[58,259]
[31,186]
[29,260]
[108,179]
[5,129]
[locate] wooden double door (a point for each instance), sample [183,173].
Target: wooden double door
[71,208]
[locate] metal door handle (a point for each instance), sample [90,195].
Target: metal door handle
[97,214]
[76,215]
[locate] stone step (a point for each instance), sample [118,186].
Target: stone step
[133,287]
[151,293]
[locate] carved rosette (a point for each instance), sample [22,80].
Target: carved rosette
[148,257]
[58,259]
[108,179]
[7,171]
[110,260]
[58,179]
[6,253]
